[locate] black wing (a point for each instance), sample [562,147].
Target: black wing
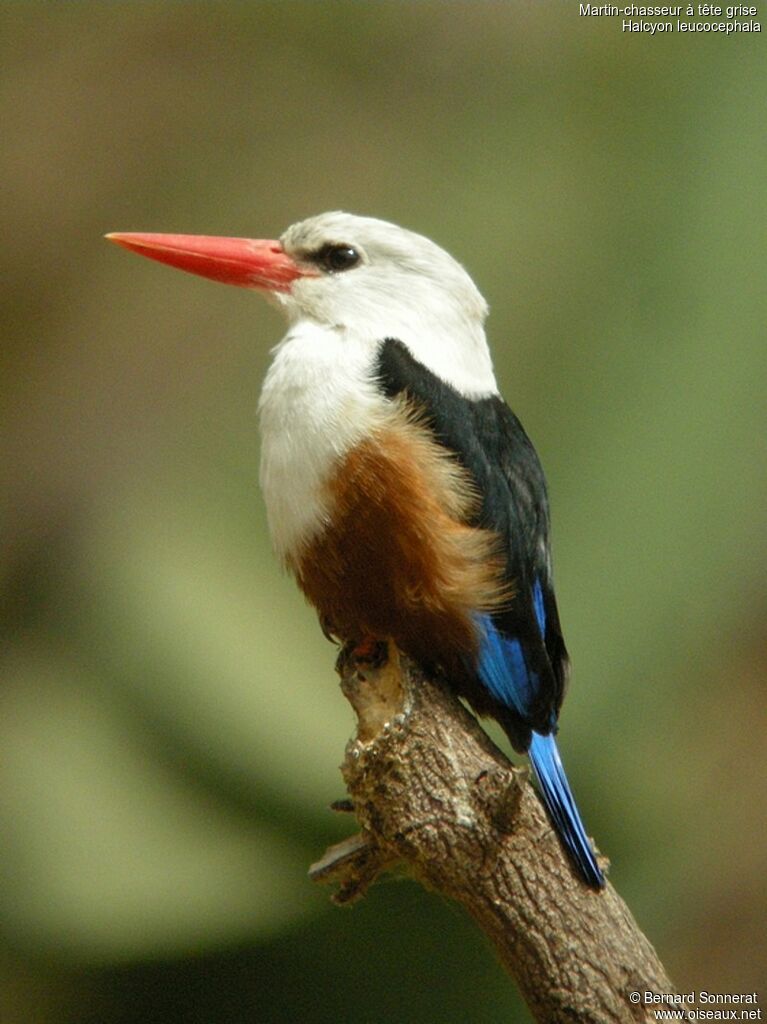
[490,442]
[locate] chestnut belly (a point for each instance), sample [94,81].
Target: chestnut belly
[398,558]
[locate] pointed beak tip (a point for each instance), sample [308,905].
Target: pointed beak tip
[118,238]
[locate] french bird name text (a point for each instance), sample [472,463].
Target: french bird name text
[706,17]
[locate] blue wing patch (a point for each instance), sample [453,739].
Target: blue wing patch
[502,664]
[503,669]
[540,611]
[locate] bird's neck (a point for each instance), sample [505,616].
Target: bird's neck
[445,336]
[455,352]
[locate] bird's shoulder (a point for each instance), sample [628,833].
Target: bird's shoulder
[485,435]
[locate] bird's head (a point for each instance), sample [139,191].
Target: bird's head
[352,274]
[359,271]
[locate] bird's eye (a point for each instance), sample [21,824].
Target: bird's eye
[335,258]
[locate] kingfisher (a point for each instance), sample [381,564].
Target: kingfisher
[402,492]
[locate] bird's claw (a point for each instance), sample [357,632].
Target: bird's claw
[369,653]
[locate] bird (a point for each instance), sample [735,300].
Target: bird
[401,491]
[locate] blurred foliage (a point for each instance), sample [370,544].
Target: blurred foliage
[171,729]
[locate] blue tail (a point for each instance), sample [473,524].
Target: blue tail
[504,671]
[559,801]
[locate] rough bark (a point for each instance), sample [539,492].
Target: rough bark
[434,795]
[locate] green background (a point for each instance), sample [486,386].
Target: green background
[171,725]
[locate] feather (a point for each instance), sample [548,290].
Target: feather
[553,784]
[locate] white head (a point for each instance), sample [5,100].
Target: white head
[357,276]
[375,280]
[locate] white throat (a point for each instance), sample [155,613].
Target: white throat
[317,402]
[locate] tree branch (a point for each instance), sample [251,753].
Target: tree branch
[434,795]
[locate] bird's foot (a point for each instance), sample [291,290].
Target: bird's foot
[369,653]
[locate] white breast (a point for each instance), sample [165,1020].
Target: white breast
[318,401]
